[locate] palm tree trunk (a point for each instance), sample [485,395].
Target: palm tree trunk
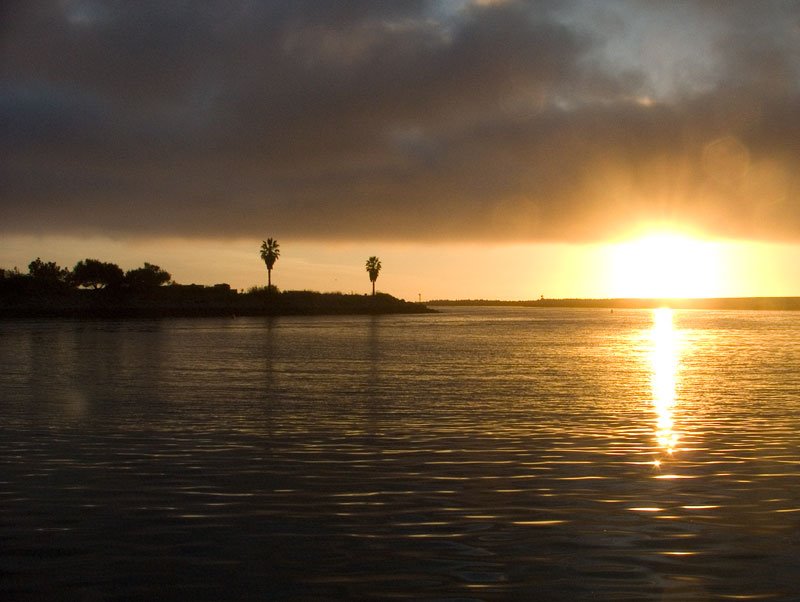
[269,279]
[373,288]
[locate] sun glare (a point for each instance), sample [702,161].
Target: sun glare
[666,265]
[664,379]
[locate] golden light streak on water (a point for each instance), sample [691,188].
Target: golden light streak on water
[664,360]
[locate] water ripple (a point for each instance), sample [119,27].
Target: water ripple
[482,455]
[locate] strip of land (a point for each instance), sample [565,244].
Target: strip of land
[724,303]
[195,301]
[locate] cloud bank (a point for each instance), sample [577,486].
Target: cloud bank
[404,120]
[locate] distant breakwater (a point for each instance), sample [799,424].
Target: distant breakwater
[723,303]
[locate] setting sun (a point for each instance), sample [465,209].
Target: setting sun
[666,265]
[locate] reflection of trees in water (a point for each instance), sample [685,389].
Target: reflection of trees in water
[55,382]
[374,397]
[95,368]
[268,353]
[373,353]
[268,402]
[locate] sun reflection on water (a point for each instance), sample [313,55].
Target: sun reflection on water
[664,360]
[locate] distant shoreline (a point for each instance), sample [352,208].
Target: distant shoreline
[721,303]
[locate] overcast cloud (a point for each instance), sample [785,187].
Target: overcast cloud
[406,120]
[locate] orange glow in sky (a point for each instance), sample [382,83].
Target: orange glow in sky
[650,264]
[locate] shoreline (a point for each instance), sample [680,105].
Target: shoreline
[208,303]
[720,303]
[200,303]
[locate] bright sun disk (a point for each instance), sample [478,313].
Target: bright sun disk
[666,265]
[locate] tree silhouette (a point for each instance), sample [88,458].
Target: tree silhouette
[270,251]
[373,267]
[47,271]
[97,274]
[148,277]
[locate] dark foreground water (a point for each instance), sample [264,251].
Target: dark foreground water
[487,454]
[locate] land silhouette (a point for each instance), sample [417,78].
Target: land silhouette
[95,288]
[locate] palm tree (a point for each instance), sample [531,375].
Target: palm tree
[373,267]
[270,251]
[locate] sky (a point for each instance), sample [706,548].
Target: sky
[482,149]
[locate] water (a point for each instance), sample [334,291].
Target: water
[478,454]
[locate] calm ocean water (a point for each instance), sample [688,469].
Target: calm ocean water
[477,454]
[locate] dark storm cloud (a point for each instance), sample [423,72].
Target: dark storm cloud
[408,120]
